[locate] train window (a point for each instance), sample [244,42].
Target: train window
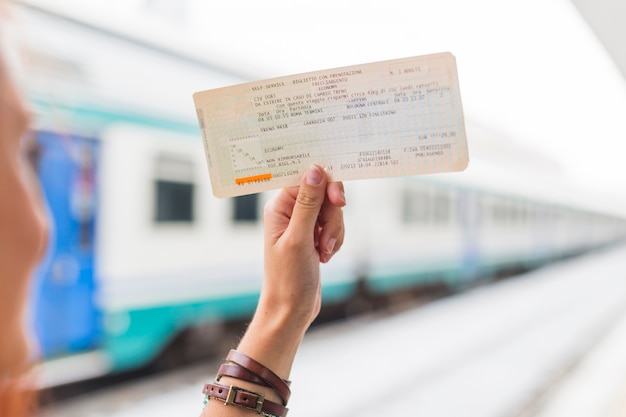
[246,208]
[174,189]
[524,213]
[513,212]
[441,208]
[499,213]
[174,201]
[508,212]
[416,207]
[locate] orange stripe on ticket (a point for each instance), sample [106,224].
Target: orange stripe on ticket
[254,178]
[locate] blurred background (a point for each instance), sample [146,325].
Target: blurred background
[147,271]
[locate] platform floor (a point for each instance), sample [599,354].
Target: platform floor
[548,343]
[500,350]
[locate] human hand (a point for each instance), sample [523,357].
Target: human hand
[303,228]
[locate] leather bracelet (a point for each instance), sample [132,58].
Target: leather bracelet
[267,375]
[236,371]
[250,400]
[239,372]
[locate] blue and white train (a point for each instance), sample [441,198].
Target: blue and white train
[141,253]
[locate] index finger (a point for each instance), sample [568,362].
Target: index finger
[336,194]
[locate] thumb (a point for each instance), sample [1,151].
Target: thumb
[309,200]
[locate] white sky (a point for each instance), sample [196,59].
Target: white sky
[532,70]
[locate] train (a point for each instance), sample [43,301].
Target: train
[144,261]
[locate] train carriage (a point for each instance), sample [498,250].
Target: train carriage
[141,252]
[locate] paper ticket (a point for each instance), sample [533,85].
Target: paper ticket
[383,119]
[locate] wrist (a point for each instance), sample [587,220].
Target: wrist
[293,314]
[281,321]
[273,338]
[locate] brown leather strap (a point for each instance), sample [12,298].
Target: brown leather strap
[238,372]
[244,398]
[271,379]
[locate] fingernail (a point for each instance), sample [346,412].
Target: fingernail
[313,175]
[343,198]
[331,245]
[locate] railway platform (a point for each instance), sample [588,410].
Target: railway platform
[551,342]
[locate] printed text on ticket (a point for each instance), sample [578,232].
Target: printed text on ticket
[383,119]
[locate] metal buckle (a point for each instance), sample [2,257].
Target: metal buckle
[259,403]
[230,398]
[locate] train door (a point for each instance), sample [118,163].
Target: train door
[66,318]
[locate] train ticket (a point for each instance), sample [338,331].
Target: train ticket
[391,118]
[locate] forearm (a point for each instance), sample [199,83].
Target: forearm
[271,339]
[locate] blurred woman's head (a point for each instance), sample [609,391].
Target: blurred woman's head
[22,237]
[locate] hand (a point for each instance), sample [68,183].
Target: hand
[303,227]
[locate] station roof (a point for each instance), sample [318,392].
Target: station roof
[606,18]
